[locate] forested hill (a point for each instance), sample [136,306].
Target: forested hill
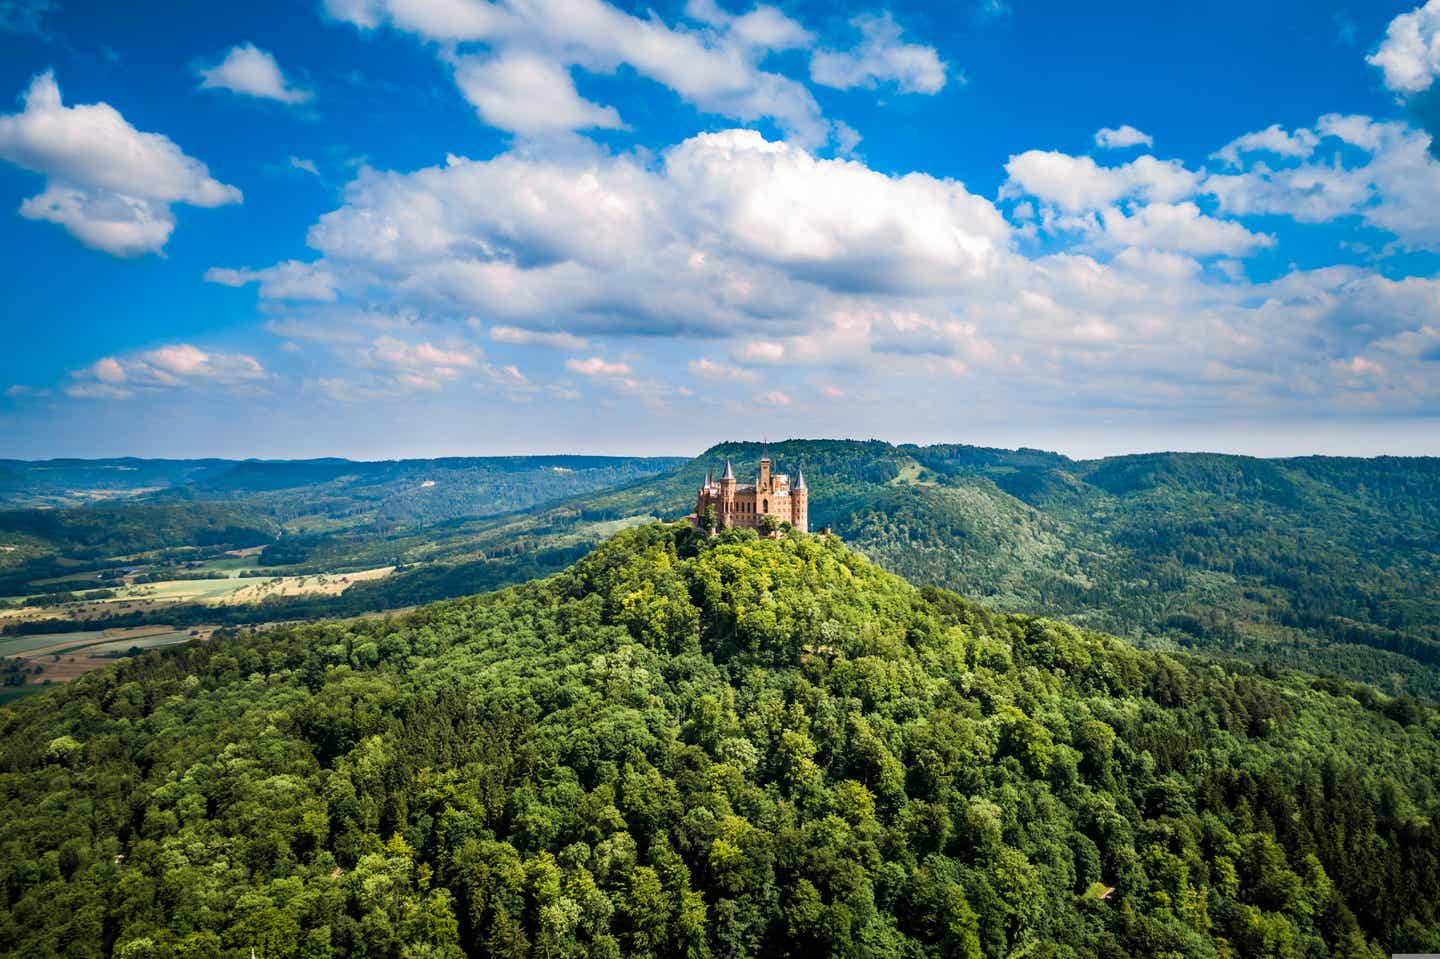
[743,747]
[1323,563]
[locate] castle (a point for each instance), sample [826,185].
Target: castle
[770,495]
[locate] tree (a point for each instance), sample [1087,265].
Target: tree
[271,933]
[64,750]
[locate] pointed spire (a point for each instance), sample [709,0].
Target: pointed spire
[710,477]
[729,473]
[800,479]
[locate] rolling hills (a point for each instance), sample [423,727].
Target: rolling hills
[329,492]
[1326,564]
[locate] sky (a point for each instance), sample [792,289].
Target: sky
[388,228]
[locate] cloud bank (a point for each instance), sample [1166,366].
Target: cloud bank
[178,366]
[524,82]
[737,270]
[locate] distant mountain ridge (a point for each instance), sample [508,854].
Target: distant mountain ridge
[77,482]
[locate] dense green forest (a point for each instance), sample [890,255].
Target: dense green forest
[738,747]
[104,532]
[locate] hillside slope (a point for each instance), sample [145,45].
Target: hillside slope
[1326,564]
[730,748]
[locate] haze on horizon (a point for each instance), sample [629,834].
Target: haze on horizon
[376,229]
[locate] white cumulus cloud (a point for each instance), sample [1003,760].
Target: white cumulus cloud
[1410,53]
[716,69]
[396,364]
[1181,228]
[726,232]
[837,222]
[881,56]
[291,280]
[549,339]
[1393,185]
[122,225]
[763,27]
[252,72]
[761,351]
[110,185]
[1275,139]
[529,94]
[711,370]
[1122,137]
[177,366]
[596,366]
[1077,183]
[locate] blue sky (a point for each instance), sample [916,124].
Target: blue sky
[420,227]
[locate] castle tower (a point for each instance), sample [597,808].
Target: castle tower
[764,484]
[800,495]
[727,495]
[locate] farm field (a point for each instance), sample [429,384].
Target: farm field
[255,591]
[237,589]
[29,663]
[233,589]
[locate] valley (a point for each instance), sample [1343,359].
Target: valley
[179,549]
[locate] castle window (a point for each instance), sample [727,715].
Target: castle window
[767,506]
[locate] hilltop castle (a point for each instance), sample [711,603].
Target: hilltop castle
[770,495]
